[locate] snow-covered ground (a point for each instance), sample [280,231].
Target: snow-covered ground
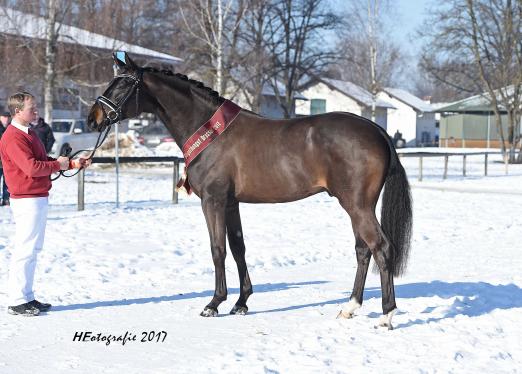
[147,267]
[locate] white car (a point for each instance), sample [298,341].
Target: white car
[72,133]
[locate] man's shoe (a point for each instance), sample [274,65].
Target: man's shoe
[42,307]
[26,310]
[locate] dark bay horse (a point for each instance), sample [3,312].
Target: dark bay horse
[257,160]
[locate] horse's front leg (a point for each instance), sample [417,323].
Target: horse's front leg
[214,210]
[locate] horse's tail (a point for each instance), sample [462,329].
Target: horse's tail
[396,212]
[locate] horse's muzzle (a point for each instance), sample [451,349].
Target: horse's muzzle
[96,119]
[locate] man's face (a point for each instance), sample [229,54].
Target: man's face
[29,113]
[4,120]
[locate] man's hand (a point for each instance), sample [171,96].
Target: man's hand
[81,162]
[64,162]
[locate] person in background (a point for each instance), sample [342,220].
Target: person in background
[5,119]
[44,132]
[27,169]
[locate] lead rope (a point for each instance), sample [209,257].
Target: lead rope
[98,145]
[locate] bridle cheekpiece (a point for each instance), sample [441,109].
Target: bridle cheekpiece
[112,110]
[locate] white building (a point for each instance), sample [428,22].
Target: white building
[411,116]
[269,104]
[331,95]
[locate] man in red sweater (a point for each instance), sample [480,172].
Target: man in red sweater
[27,169]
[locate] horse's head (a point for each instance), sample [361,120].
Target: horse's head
[121,99]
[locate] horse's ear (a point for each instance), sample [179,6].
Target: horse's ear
[119,59]
[122,60]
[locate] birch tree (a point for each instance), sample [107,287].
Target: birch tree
[213,23]
[369,57]
[56,12]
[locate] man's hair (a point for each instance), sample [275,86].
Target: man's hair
[17,101]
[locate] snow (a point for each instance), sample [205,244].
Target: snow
[147,267]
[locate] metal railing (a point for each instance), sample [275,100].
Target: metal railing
[446,155]
[177,160]
[125,160]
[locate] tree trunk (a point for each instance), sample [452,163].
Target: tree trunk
[373,57]
[50,61]
[478,61]
[219,50]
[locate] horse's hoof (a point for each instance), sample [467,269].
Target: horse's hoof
[345,315]
[389,327]
[209,312]
[348,309]
[239,310]
[386,319]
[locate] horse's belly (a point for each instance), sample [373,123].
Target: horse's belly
[276,187]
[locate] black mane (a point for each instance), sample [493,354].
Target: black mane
[196,86]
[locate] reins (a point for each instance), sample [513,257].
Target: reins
[98,145]
[112,115]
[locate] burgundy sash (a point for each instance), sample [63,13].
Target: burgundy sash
[206,134]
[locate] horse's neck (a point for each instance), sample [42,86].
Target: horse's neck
[181,111]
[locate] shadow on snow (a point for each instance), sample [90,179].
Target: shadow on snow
[261,288]
[472,299]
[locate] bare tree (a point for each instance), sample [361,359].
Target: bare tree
[496,36]
[297,46]
[254,65]
[214,24]
[53,53]
[476,46]
[369,57]
[56,12]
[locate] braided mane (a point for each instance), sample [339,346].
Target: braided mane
[196,86]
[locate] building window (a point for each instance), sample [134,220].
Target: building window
[317,106]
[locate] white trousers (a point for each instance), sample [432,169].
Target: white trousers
[30,216]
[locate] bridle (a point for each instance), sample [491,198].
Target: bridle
[112,112]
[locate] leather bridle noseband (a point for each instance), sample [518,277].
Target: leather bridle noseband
[112,110]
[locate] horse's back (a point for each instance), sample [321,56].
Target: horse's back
[286,160]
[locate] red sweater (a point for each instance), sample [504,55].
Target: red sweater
[26,165]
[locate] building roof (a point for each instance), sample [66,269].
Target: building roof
[407,98]
[477,103]
[436,106]
[32,26]
[268,90]
[356,92]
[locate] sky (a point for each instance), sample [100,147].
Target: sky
[409,16]
[412,13]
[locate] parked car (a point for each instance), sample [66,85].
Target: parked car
[72,133]
[154,134]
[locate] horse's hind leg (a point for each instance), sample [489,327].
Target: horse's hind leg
[237,247]
[363,260]
[368,228]
[370,239]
